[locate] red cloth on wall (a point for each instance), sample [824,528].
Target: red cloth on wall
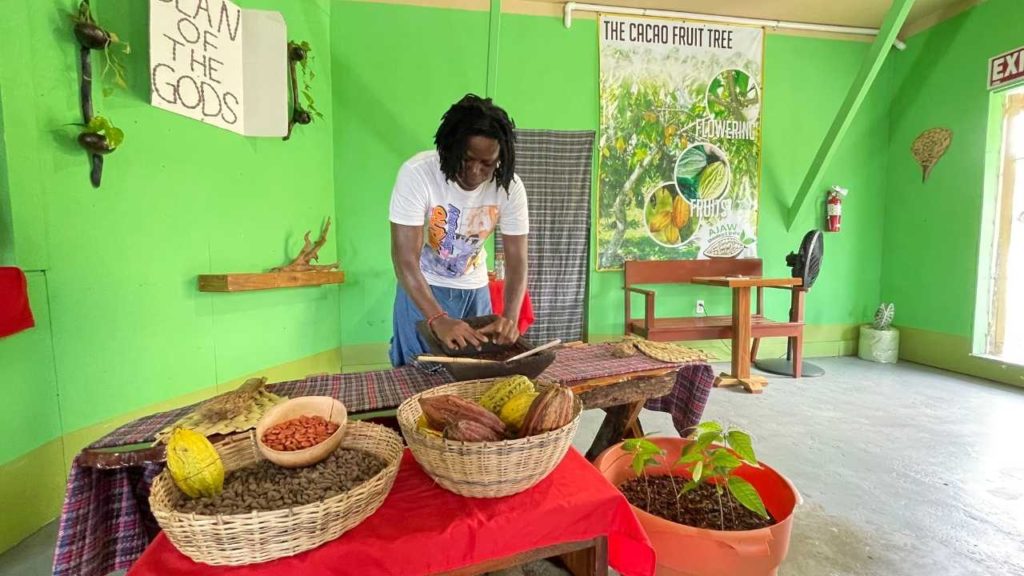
[15,314]
[497,288]
[423,529]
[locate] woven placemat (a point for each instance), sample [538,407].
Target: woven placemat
[664,351]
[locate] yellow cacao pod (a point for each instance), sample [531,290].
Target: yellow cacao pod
[504,390]
[671,235]
[514,411]
[422,425]
[195,466]
[660,221]
[680,212]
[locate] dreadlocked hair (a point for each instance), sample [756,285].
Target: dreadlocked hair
[476,116]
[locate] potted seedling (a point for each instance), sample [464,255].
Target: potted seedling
[707,505]
[880,342]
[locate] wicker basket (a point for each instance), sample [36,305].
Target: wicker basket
[265,535]
[484,469]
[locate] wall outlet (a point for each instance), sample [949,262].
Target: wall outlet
[700,307]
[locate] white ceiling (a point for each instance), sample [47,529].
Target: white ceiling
[866,13]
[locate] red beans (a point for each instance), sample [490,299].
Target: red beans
[298,433]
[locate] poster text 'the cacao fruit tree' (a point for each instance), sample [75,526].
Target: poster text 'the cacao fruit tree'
[680,147]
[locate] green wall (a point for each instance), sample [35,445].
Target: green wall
[932,229]
[114,269]
[396,69]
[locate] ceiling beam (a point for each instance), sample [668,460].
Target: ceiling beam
[858,92]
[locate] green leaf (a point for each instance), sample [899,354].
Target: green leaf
[689,486]
[705,427]
[706,439]
[638,464]
[741,443]
[97,124]
[115,136]
[745,493]
[721,458]
[698,469]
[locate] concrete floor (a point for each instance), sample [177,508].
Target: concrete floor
[904,470]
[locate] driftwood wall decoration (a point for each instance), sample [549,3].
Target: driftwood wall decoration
[301,263]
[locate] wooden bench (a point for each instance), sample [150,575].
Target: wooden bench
[684,328]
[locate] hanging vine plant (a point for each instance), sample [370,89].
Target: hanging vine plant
[98,136]
[300,55]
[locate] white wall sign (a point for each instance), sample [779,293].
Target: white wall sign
[215,62]
[1006,69]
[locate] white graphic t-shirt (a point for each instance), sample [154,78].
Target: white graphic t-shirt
[456,222]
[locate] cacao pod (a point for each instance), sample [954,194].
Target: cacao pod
[660,221]
[470,431]
[671,235]
[680,212]
[504,390]
[514,411]
[551,410]
[447,409]
[712,181]
[194,463]
[421,423]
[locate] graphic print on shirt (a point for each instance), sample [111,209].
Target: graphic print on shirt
[455,237]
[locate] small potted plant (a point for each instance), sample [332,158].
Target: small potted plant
[880,342]
[707,505]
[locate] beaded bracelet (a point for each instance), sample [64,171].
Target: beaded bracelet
[430,321]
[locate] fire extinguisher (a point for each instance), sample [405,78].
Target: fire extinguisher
[834,207]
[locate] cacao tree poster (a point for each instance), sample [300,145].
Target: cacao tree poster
[680,146]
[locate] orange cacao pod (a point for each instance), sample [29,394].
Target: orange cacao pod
[446,409]
[551,410]
[470,431]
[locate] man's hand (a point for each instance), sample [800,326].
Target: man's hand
[502,331]
[455,333]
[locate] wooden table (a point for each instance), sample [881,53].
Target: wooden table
[741,286]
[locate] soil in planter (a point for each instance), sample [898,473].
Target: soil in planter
[503,354]
[266,486]
[697,508]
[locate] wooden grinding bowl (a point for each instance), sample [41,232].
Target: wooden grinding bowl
[531,366]
[328,408]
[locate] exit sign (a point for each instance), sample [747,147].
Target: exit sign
[1006,69]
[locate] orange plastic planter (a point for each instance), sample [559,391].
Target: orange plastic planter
[686,551]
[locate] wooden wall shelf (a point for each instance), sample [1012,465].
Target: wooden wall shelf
[267,281]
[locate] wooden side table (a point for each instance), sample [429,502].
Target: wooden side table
[741,325]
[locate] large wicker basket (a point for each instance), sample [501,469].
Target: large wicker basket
[484,469]
[265,535]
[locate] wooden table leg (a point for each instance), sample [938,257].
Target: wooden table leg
[617,421]
[741,330]
[591,561]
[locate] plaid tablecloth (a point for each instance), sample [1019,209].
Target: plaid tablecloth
[106,523]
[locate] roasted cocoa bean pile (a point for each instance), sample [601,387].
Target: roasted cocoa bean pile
[266,486]
[299,433]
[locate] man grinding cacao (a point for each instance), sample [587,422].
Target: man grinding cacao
[444,205]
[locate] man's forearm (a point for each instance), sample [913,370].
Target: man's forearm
[515,286]
[415,285]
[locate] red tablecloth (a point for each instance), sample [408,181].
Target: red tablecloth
[15,314]
[423,529]
[497,288]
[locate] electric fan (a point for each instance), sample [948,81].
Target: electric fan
[806,265]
